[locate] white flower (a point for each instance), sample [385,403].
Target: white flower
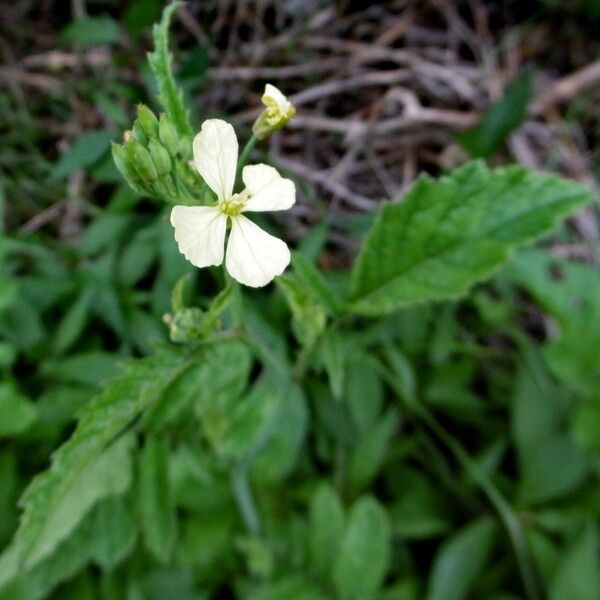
[278,112]
[253,257]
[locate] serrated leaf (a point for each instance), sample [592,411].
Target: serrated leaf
[169,94]
[157,508]
[449,233]
[326,529]
[364,556]
[460,560]
[121,401]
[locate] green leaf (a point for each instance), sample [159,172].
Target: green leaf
[85,151]
[578,576]
[157,508]
[326,529]
[42,528]
[367,457]
[88,367]
[499,120]
[333,352]
[111,531]
[160,61]
[449,233]
[253,420]
[460,560]
[363,392]
[280,454]
[364,556]
[48,516]
[569,292]
[418,513]
[91,31]
[294,587]
[314,282]
[550,463]
[72,324]
[17,413]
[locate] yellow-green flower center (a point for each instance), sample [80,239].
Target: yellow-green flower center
[233,206]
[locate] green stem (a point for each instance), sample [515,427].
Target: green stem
[243,159]
[244,499]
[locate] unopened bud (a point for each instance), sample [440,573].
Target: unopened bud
[168,135]
[147,120]
[140,158]
[160,158]
[123,163]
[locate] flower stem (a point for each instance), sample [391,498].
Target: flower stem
[243,159]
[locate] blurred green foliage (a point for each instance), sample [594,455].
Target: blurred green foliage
[204,469]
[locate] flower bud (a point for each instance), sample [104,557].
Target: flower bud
[278,112]
[160,158]
[140,158]
[137,133]
[147,121]
[123,164]
[168,135]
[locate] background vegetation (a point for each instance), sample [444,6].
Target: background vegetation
[446,451]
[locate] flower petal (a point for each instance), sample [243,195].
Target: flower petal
[254,257]
[273,94]
[200,233]
[215,156]
[268,189]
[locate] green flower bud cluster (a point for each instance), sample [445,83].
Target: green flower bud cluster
[188,325]
[153,159]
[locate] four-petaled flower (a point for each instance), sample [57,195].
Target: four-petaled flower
[253,257]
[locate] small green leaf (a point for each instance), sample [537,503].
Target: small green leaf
[314,282]
[449,233]
[460,560]
[17,413]
[91,31]
[326,529]
[364,556]
[85,151]
[499,120]
[156,499]
[333,352]
[367,457]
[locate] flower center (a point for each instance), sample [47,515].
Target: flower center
[274,114]
[233,206]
